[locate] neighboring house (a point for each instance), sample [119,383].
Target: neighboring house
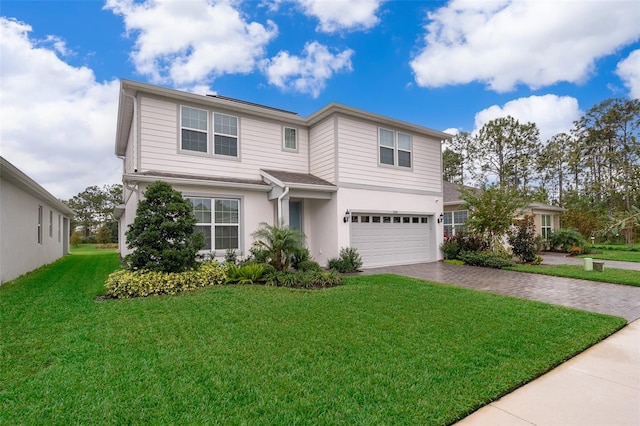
[344,176]
[34,225]
[546,218]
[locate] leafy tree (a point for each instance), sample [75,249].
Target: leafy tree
[103,236]
[491,212]
[506,149]
[162,234]
[452,166]
[94,207]
[278,244]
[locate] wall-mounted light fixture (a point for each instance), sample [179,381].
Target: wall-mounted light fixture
[441,218]
[347,215]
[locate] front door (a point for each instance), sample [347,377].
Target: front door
[295,214]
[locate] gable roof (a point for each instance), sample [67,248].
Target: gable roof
[451,192]
[14,175]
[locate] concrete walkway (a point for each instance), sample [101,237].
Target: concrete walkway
[600,386]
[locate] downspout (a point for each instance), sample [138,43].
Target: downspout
[280,198]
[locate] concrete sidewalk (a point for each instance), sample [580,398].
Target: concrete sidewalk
[601,386]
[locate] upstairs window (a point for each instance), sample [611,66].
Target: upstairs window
[225,135]
[290,138]
[387,147]
[194,129]
[404,150]
[395,148]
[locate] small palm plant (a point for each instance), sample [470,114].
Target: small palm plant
[279,243]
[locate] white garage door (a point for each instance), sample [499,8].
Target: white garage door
[384,240]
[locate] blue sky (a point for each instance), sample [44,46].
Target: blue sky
[445,65]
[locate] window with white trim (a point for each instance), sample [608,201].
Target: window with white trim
[290,138]
[395,148]
[194,129]
[545,226]
[219,220]
[225,135]
[59,228]
[50,224]
[454,222]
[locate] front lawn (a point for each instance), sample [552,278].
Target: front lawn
[378,350]
[609,275]
[621,255]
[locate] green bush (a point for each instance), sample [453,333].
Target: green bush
[142,283]
[250,273]
[486,258]
[162,234]
[303,279]
[308,265]
[450,248]
[565,239]
[349,261]
[301,254]
[103,236]
[523,239]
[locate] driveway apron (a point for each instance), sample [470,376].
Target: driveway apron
[605,298]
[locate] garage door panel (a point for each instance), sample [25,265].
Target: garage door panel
[391,243]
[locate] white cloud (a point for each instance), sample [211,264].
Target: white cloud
[58,123]
[192,42]
[307,73]
[537,43]
[342,15]
[629,72]
[552,114]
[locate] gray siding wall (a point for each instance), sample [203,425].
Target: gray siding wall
[20,251]
[322,150]
[358,152]
[260,145]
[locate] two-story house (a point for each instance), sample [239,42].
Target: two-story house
[345,177]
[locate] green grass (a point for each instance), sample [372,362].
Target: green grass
[378,350]
[89,249]
[621,255]
[609,275]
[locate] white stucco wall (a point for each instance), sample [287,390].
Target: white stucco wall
[20,251]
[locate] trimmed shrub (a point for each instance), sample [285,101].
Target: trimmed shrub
[486,258]
[308,265]
[349,261]
[304,279]
[565,239]
[162,234]
[141,283]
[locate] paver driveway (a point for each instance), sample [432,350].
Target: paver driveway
[613,299]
